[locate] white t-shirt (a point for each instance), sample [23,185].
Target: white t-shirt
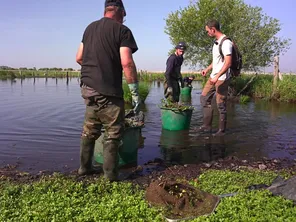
[217,59]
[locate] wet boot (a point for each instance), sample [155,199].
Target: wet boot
[86,154]
[110,154]
[207,120]
[222,126]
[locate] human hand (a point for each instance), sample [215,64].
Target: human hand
[170,90]
[214,80]
[182,83]
[204,72]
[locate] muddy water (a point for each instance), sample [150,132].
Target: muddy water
[40,124]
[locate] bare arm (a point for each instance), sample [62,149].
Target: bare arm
[128,65]
[79,54]
[205,71]
[209,67]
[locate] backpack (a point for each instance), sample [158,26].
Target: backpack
[237,62]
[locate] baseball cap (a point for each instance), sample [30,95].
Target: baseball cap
[181,45]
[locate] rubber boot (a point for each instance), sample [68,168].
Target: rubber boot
[207,120]
[222,126]
[110,154]
[86,154]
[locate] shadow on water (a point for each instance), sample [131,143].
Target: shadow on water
[41,127]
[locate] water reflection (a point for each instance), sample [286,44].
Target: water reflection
[179,148]
[158,84]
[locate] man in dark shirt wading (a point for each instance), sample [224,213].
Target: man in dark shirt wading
[105,51]
[173,74]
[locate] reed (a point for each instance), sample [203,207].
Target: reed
[262,87]
[144,89]
[13,74]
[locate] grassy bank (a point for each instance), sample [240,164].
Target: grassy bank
[262,87]
[60,198]
[150,77]
[13,74]
[143,75]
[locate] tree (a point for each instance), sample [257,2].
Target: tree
[253,31]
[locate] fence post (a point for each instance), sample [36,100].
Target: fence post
[275,74]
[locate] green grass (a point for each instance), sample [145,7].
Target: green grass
[60,198]
[262,87]
[63,199]
[12,74]
[150,77]
[244,99]
[246,206]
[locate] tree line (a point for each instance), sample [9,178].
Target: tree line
[255,33]
[35,69]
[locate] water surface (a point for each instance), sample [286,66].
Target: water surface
[41,123]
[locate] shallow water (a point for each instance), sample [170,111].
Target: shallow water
[41,120]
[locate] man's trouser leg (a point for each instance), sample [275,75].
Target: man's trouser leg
[174,97]
[112,117]
[206,103]
[168,96]
[91,131]
[221,99]
[108,112]
[176,90]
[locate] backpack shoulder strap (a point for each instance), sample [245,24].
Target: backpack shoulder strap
[220,46]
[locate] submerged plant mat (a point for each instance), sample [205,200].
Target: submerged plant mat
[180,200]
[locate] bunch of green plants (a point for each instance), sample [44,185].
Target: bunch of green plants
[144,89]
[243,99]
[150,77]
[7,74]
[65,198]
[257,205]
[286,89]
[59,198]
[263,87]
[167,104]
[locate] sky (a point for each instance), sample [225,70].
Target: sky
[47,33]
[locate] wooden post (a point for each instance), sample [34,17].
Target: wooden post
[67,78]
[276,70]
[275,74]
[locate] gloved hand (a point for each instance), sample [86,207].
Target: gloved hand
[136,101]
[168,92]
[182,82]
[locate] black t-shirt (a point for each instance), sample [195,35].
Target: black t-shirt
[101,65]
[173,67]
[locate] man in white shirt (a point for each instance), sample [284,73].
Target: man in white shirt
[219,80]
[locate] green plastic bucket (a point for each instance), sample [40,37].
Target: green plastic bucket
[175,119]
[186,90]
[185,98]
[128,152]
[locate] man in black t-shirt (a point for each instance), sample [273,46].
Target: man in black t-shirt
[173,74]
[105,51]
